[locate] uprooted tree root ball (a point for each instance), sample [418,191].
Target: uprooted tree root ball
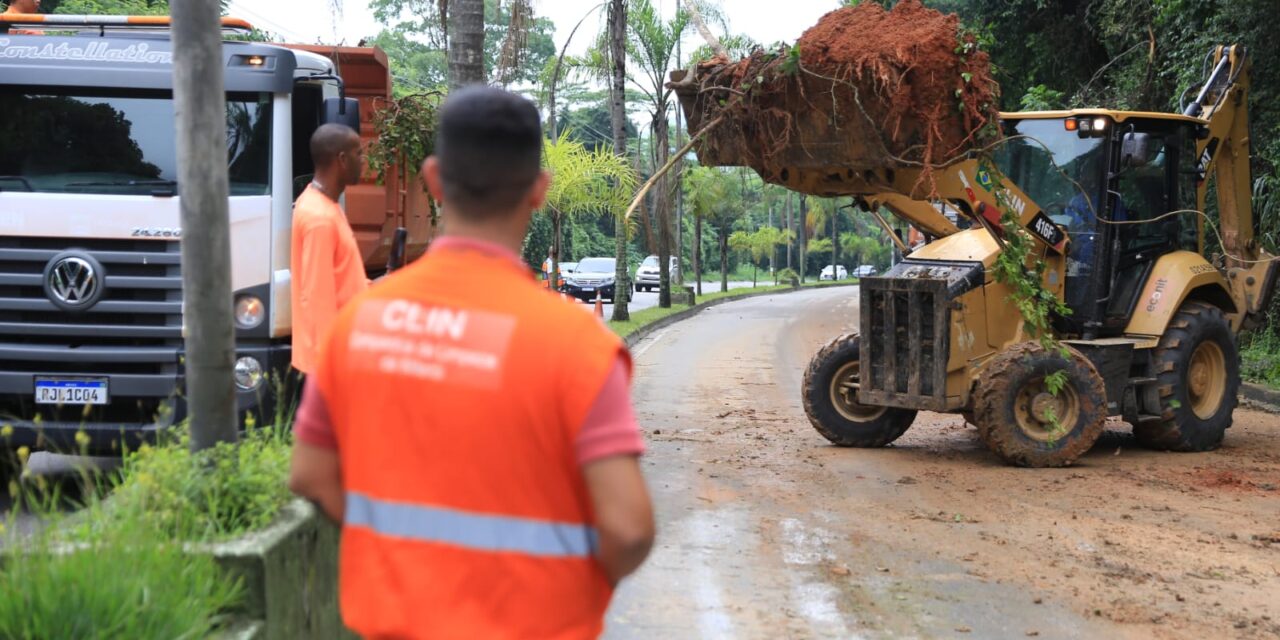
[863,89]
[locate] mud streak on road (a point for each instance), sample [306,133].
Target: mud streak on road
[767,532]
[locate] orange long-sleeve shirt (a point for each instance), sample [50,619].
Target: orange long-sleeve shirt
[327,271]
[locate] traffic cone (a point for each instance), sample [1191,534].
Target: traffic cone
[599,306]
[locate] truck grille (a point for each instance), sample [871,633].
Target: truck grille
[905,324]
[134,328]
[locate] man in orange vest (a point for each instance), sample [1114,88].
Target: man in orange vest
[472,432]
[326,267]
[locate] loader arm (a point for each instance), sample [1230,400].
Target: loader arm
[1224,149]
[979,190]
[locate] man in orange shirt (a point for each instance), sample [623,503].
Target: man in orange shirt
[473,432]
[326,267]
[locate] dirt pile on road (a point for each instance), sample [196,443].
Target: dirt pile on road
[864,88]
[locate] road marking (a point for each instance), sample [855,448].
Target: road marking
[648,343]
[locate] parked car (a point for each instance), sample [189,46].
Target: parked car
[592,276]
[840,274]
[647,275]
[865,270]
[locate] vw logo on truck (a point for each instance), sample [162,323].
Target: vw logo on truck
[73,281]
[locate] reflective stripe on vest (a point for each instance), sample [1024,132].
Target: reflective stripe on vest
[470,530]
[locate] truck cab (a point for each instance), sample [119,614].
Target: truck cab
[91,301]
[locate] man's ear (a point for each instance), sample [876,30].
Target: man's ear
[538,192]
[431,173]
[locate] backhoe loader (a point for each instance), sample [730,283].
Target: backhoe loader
[1111,201]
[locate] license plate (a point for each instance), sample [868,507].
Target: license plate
[588,288]
[71,391]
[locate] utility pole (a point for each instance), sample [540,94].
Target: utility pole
[201,107]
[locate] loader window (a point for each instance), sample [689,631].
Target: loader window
[1063,174]
[1145,192]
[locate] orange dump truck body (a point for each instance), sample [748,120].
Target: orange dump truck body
[376,210]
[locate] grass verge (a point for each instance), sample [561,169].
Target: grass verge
[118,567]
[1260,357]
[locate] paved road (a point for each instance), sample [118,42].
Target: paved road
[645,299]
[768,532]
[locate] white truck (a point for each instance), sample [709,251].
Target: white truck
[91,325]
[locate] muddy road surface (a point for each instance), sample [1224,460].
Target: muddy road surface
[768,532]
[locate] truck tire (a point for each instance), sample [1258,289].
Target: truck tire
[830,384]
[1197,370]
[1024,424]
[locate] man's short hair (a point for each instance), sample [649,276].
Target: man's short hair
[330,140]
[489,145]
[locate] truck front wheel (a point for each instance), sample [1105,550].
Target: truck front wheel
[830,400]
[1031,423]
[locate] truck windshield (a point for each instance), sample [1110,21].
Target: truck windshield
[118,143]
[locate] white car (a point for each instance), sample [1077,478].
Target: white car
[647,275]
[865,270]
[840,274]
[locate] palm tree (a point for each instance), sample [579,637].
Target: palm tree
[584,182]
[466,42]
[652,43]
[707,195]
[618,116]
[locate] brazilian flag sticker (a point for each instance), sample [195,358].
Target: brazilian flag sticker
[984,178]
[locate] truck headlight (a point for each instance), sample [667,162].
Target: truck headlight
[248,373]
[250,312]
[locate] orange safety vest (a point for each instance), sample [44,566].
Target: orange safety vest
[456,389]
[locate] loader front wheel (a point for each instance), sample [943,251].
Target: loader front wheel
[1197,371]
[831,402]
[1024,422]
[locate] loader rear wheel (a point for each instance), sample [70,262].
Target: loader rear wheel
[1023,422]
[831,402]
[1197,371]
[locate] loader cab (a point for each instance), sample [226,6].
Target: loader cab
[1107,179]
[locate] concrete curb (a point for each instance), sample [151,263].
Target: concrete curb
[645,331]
[1260,397]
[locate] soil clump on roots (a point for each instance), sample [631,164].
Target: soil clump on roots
[862,89]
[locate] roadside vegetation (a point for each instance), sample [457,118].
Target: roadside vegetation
[121,566]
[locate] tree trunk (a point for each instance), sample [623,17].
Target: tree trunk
[678,183]
[466,43]
[206,247]
[835,246]
[662,205]
[697,253]
[724,256]
[754,269]
[554,276]
[804,266]
[646,219]
[790,239]
[618,118]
